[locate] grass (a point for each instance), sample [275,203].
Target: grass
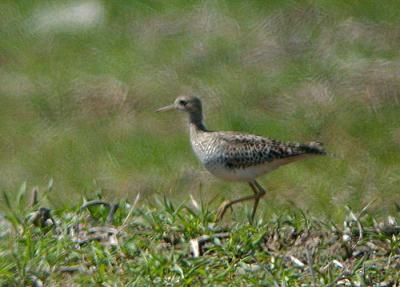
[153,245]
[77,102]
[77,95]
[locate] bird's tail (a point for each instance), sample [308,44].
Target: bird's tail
[314,148]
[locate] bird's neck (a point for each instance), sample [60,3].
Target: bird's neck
[196,122]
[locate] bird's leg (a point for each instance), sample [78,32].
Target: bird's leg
[259,192]
[256,199]
[228,203]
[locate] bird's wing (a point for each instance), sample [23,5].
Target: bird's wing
[244,150]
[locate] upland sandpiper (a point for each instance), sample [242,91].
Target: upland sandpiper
[237,156]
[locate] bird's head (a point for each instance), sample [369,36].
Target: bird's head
[189,104]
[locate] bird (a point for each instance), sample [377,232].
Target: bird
[237,156]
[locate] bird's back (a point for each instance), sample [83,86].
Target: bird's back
[243,157]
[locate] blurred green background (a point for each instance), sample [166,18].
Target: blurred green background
[80,80]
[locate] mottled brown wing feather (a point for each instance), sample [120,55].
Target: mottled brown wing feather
[243,150]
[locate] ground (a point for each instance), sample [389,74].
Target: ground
[136,244]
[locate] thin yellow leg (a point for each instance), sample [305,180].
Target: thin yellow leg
[258,193]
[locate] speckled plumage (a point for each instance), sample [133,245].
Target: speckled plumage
[244,157]
[237,156]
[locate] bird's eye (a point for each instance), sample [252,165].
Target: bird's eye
[182,102]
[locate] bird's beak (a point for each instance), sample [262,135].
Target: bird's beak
[167,108]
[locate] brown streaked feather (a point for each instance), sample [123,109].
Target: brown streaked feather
[244,150]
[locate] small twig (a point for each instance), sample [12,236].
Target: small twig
[359,225]
[357,220]
[310,266]
[95,202]
[297,262]
[197,243]
[206,238]
[36,282]
[87,240]
[124,223]
[337,264]
[389,261]
[71,269]
[113,209]
[361,213]
[195,248]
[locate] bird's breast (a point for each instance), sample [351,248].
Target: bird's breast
[206,151]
